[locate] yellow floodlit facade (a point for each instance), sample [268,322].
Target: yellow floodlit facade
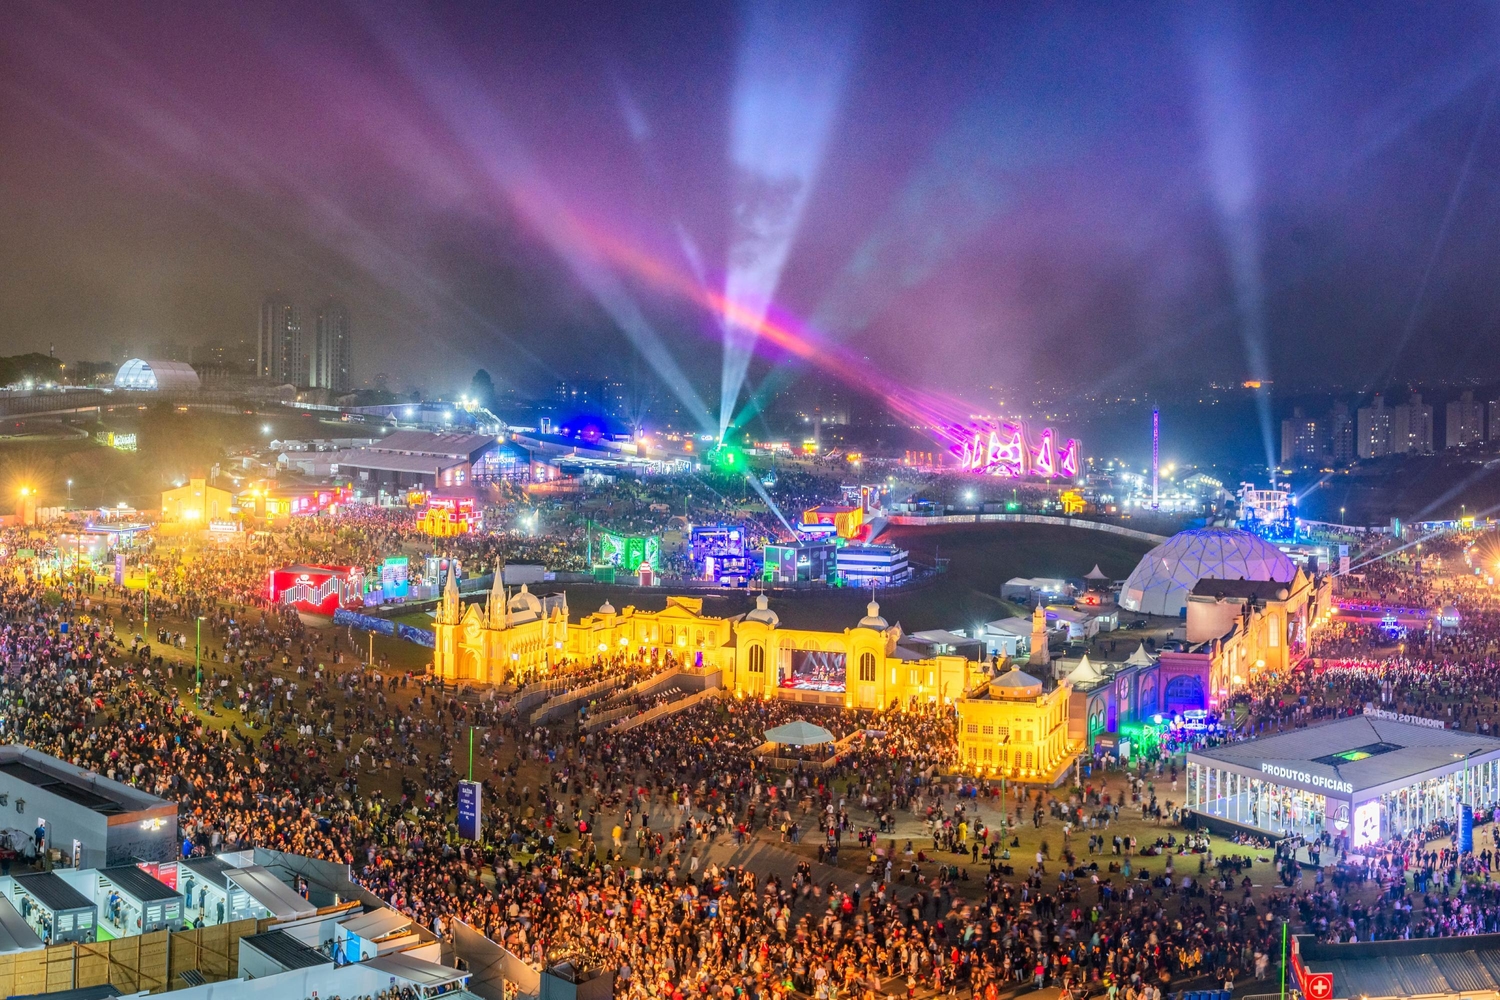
[440,522]
[877,673]
[1008,725]
[196,502]
[1011,726]
[510,640]
[681,629]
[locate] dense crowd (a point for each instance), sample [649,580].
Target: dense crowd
[599,841]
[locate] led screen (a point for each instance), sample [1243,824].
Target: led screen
[814,671]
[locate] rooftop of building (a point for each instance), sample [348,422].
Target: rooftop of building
[1241,590]
[384,461]
[136,882]
[58,777]
[1012,626]
[285,950]
[210,870]
[438,444]
[1014,684]
[49,889]
[1038,582]
[1365,751]
[1426,967]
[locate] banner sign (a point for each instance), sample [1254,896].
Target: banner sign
[1410,720]
[469,806]
[384,626]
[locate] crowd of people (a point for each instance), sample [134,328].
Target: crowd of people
[619,848]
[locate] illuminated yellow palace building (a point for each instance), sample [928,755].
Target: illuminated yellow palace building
[1011,725]
[1008,723]
[508,639]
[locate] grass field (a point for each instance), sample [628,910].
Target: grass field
[980,559]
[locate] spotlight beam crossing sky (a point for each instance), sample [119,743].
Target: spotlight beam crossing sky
[947,206]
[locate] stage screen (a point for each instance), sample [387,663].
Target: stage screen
[814,671]
[394,577]
[718,542]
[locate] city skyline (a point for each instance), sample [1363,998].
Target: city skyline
[1175,207]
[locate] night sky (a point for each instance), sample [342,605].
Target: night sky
[1110,195]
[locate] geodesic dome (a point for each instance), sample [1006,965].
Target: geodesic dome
[150,375]
[1162,580]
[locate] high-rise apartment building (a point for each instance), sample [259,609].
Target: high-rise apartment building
[613,398]
[1341,433]
[1411,428]
[1372,437]
[1494,420]
[1301,439]
[575,392]
[607,396]
[281,352]
[332,348]
[1465,423]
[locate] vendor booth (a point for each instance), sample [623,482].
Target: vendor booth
[54,909]
[426,979]
[132,901]
[273,952]
[374,933]
[255,891]
[1364,779]
[205,889]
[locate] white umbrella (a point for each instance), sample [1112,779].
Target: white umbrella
[799,734]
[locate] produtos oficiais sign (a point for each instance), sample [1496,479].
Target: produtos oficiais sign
[1304,778]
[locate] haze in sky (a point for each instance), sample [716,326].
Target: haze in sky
[960,195]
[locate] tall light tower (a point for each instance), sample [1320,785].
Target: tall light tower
[1155,457]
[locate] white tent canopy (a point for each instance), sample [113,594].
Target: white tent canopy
[799,734]
[269,892]
[417,971]
[15,933]
[1096,574]
[376,924]
[1085,673]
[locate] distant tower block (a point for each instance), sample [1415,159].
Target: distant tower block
[1155,458]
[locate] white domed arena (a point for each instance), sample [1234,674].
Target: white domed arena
[1162,580]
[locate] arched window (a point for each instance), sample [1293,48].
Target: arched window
[757,659]
[867,666]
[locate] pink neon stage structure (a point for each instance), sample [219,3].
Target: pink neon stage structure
[981,446]
[1004,450]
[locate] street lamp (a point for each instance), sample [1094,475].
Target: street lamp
[198,667]
[70,491]
[1341,515]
